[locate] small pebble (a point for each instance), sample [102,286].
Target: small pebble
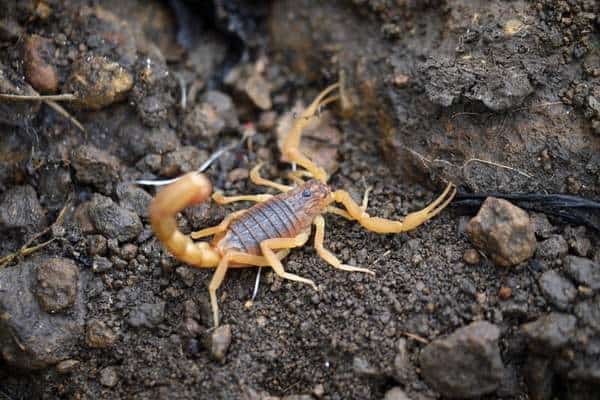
[98,335]
[109,377]
[129,251]
[66,366]
[505,293]
[471,257]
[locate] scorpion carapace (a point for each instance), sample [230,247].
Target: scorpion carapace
[264,234]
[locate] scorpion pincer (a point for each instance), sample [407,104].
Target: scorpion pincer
[264,234]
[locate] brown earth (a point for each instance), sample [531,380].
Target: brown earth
[428,86]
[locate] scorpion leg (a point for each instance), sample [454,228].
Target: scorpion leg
[220,199]
[259,180]
[291,144]
[344,213]
[297,176]
[326,254]
[382,225]
[267,247]
[222,227]
[225,263]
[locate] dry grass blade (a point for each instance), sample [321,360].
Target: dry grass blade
[51,97]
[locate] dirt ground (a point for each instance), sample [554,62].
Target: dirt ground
[161,86]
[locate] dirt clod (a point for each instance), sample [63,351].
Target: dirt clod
[98,335]
[112,220]
[503,231]
[57,280]
[31,338]
[583,271]
[96,167]
[147,315]
[465,364]
[559,291]
[186,159]
[98,82]
[39,71]
[20,209]
[552,248]
[550,332]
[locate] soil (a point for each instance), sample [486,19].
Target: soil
[137,322]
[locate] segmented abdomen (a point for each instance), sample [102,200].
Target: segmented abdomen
[271,219]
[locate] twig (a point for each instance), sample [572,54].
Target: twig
[38,97]
[497,165]
[59,109]
[416,337]
[27,249]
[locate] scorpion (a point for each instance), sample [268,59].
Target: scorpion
[265,233]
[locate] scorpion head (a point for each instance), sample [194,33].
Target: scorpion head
[311,198]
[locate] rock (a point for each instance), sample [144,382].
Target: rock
[588,313]
[559,291]
[66,366]
[553,248]
[550,333]
[247,80]
[154,92]
[448,82]
[101,264]
[404,372]
[112,220]
[57,280]
[504,293]
[187,275]
[502,231]
[107,34]
[129,251]
[584,271]
[38,57]
[96,167]
[109,377]
[98,82]
[219,342]
[578,242]
[98,335]
[142,141]
[465,364]
[203,215]
[20,209]
[362,367]
[396,393]
[134,198]
[267,121]
[541,225]
[471,257]
[186,159]
[216,114]
[147,315]
[29,337]
[539,377]
[96,245]
[55,186]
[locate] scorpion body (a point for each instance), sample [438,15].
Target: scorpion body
[264,234]
[283,216]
